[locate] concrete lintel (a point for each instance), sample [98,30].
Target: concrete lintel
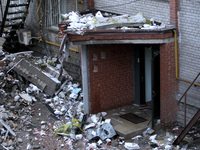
[139,41]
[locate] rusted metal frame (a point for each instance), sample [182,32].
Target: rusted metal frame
[4,17]
[187,128]
[189,88]
[185,101]
[185,110]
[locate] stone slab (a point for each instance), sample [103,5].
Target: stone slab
[43,80]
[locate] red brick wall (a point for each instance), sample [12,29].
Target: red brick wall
[174,12]
[168,84]
[91,5]
[112,85]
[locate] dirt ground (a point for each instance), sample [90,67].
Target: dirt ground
[32,138]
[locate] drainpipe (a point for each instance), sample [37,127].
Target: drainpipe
[38,7]
[176,62]
[81,5]
[76,5]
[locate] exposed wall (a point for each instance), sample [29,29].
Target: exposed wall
[111,80]
[189,53]
[32,23]
[111,76]
[157,9]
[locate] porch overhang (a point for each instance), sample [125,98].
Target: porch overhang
[136,36]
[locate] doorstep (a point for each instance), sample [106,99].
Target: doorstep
[126,128]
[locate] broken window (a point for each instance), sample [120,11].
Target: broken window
[53,10]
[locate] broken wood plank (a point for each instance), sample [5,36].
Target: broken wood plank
[7,127]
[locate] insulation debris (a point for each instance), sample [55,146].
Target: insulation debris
[79,23]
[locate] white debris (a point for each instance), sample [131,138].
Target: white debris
[63,109]
[91,146]
[168,147]
[103,114]
[153,138]
[137,137]
[43,127]
[104,131]
[100,142]
[57,112]
[43,122]
[94,118]
[48,100]
[26,97]
[16,98]
[89,126]
[80,107]
[79,136]
[42,132]
[108,121]
[19,140]
[79,23]
[73,95]
[28,147]
[131,146]
[108,140]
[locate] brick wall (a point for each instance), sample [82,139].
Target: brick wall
[189,52]
[73,66]
[174,12]
[111,76]
[157,9]
[168,84]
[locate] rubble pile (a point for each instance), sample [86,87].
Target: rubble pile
[79,23]
[32,119]
[29,115]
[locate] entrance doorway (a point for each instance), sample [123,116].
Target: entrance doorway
[147,77]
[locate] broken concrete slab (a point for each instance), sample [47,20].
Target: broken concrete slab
[42,80]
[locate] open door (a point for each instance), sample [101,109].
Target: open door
[155,66]
[147,77]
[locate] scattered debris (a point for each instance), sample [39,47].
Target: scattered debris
[131,146]
[36,115]
[77,23]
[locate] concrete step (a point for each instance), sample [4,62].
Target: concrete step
[126,128]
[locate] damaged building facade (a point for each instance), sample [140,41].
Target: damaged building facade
[117,70]
[116,65]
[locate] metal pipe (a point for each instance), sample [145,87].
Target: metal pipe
[76,5]
[185,111]
[38,9]
[48,42]
[189,87]
[81,5]
[176,62]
